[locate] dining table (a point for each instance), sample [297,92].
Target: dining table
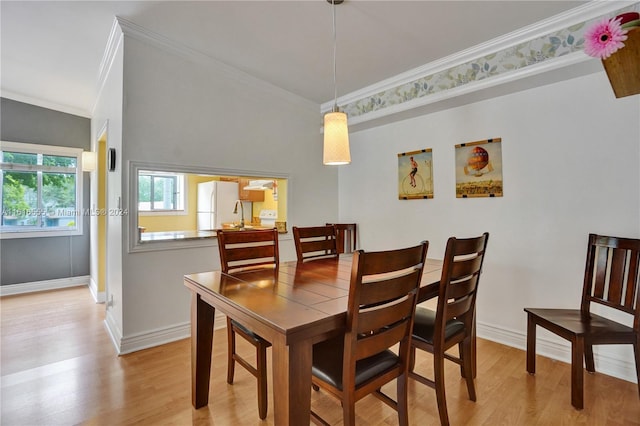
[293,306]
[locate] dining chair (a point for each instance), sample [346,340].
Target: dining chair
[453,322]
[315,242]
[241,251]
[611,279]
[345,236]
[382,298]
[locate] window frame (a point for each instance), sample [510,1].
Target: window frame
[77,212]
[181,200]
[134,242]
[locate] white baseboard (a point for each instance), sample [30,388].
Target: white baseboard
[21,288]
[153,338]
[561,351]
[98,296]
[158,337]
[113,330]
[137,342]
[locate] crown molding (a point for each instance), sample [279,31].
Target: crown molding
[145,35]
[44,103]
[540,68]
[383,91]
[108,57]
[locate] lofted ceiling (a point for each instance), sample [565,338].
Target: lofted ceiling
[51,51]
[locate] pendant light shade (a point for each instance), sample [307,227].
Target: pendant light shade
[336,139]
[336,132]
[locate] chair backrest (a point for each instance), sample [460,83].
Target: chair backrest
[248,249]
[346,237]
[459,281]
[612,275]
[382,299]
[315,241]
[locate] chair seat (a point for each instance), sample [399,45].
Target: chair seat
[573,321]
[248,332]
[424,326]
[327,363]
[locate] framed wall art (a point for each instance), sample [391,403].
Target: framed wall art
[479,169]
[415,175]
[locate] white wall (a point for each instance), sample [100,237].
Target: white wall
[184,111]
[107,115]
[571,154]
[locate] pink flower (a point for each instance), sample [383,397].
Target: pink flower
[604,38]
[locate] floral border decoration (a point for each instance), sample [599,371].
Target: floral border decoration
[517,57]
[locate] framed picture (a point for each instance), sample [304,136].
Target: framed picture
[415,175]
[479,169]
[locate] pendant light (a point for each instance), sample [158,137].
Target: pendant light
[336,132]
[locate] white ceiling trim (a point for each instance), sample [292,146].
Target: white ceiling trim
[115,39]
[474,86]
[44,104]
[385,90]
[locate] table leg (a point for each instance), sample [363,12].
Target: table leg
[292,382]
[202,315]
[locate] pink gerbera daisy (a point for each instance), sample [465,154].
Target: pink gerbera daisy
[604,38]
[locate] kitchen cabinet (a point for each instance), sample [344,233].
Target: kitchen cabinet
[249,195]
[244,195]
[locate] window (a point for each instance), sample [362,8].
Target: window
[160,192]
[41,190]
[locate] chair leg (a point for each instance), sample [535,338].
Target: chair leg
[588,357]
[577,375]
[438,367]
[261,357]
[467,361]
[231,351]
[531,345]
[460,354]
[348,410]
[402,400]
[412,358]
[636,351]
[474,347]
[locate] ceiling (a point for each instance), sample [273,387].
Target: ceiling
[51,51]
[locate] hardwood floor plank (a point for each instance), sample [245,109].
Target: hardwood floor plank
[58,367]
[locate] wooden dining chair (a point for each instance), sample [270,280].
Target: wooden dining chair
[315,242]
[240,251]
[345,237]
[382,300]
[611,279]
[453,323]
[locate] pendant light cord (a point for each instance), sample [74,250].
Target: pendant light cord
[335,84]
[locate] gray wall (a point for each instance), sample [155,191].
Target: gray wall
[26,260]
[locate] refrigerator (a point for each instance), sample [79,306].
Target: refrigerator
[216,202]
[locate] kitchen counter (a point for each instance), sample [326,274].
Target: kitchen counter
[191,235]
[176,235]
[247,228]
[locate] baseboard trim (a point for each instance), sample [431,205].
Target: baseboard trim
[98,296]
[21,288]
[137,342]
[558,350]
[113,330]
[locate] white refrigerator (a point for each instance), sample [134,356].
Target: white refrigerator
[216,202]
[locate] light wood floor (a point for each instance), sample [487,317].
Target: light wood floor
[59,368]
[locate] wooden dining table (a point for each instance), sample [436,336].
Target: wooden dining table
[293,307]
